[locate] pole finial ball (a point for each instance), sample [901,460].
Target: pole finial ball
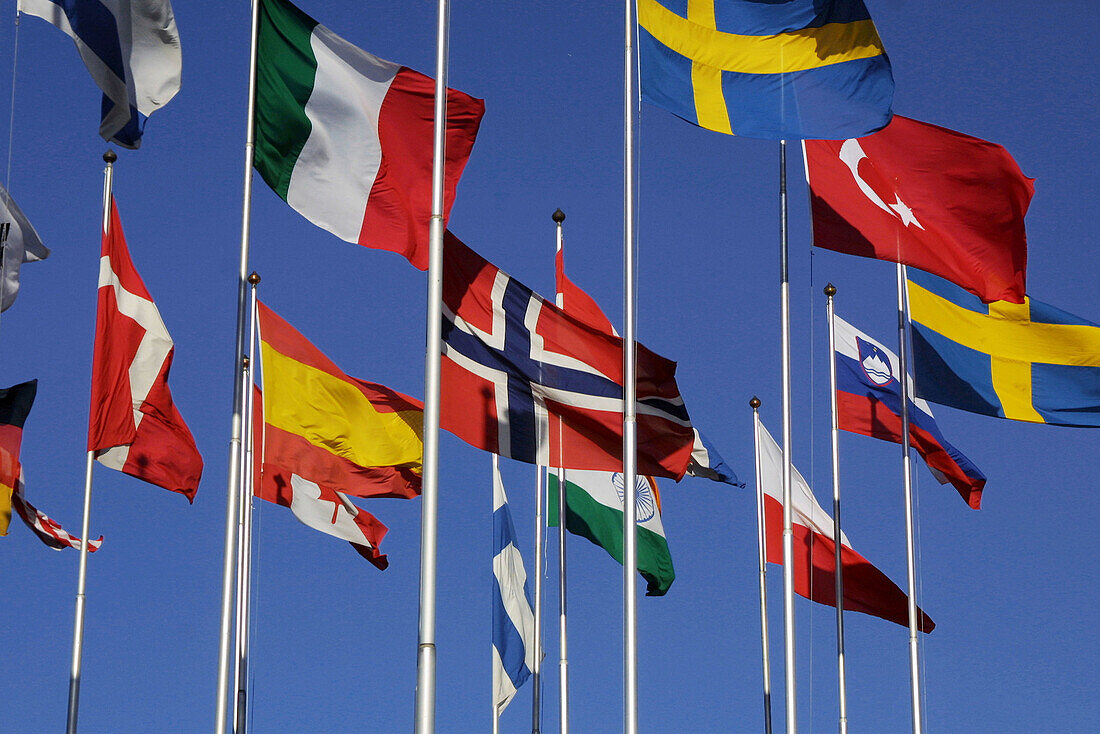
[558,216]
[254,278]
[754,403]
[830,290]
[110,156]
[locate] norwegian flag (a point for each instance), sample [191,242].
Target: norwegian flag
[134,425]
[48,531]
[523,379]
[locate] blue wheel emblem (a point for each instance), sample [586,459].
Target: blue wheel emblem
[645,504]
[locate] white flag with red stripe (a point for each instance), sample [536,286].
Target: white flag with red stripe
[866,589]
[134,425]
[48,531]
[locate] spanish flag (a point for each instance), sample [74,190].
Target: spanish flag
[349,435]
[15,404]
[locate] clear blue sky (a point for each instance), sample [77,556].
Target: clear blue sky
[1012,587]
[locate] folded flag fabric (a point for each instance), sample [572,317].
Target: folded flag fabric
[794,69]
[19,243]
[868,400]
[707,463]
[344,434]
[594,510]
[513,619]
[523,379]
[922,195]
[866,589]
[345,137]
[132,51]
[15,406]
[1026,362]
[47,530]
[133,425]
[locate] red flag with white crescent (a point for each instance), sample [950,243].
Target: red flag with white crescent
[922,195]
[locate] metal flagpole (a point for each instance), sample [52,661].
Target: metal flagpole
[244,528]
[233,490]
[429,498]
[563,661]
[82,574]
[630,439]
[536,671]
[830,291]
[910,553]
[788,532]
[493,651]
[762,545]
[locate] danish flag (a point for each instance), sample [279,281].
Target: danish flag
[523,379]
[134,425]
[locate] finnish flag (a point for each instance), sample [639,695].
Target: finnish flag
[513,618]
[19,243]
[132,51]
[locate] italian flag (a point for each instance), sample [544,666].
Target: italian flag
[345,137]
[594,510]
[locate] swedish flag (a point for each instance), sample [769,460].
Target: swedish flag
[1024,361]
[789,69]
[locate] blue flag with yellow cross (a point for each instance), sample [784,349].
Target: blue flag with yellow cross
[794,69]
[1023,361]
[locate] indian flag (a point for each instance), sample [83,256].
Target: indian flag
[345,137]
[594,510]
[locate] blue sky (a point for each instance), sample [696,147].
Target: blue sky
[1011,587]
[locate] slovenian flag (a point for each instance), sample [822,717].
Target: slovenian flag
[345,137]
[868,399]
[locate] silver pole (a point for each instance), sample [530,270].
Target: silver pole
[910,553]
[563,661]
[233,490]
[78,624]
[536,671]
[762,546]
[244,527]
[830,291]
[788,532]
[493,651]
[82,573]
[630,438]
[429,501]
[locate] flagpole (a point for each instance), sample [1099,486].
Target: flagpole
[630,439]
[910,553]
[762,545]
[536,671]
[788,532]
[492,650]
[830,291]
[82,574]
[233,489]
[244,543]
[563,662]
[429,504]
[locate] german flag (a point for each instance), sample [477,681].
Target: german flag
[15,405]
[342,433]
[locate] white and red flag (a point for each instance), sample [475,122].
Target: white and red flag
[866,589]
[134,425]
[922,195]
[47,530]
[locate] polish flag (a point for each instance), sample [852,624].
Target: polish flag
[134,426]
[866,589]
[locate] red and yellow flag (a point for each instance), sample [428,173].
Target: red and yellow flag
[342,433]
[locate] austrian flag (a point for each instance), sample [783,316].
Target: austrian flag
[134,425]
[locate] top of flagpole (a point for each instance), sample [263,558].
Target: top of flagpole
[754,403]
[254,278]
[110,156]
[558,216]
[830,290]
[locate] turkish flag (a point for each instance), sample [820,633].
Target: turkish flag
[922,195]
